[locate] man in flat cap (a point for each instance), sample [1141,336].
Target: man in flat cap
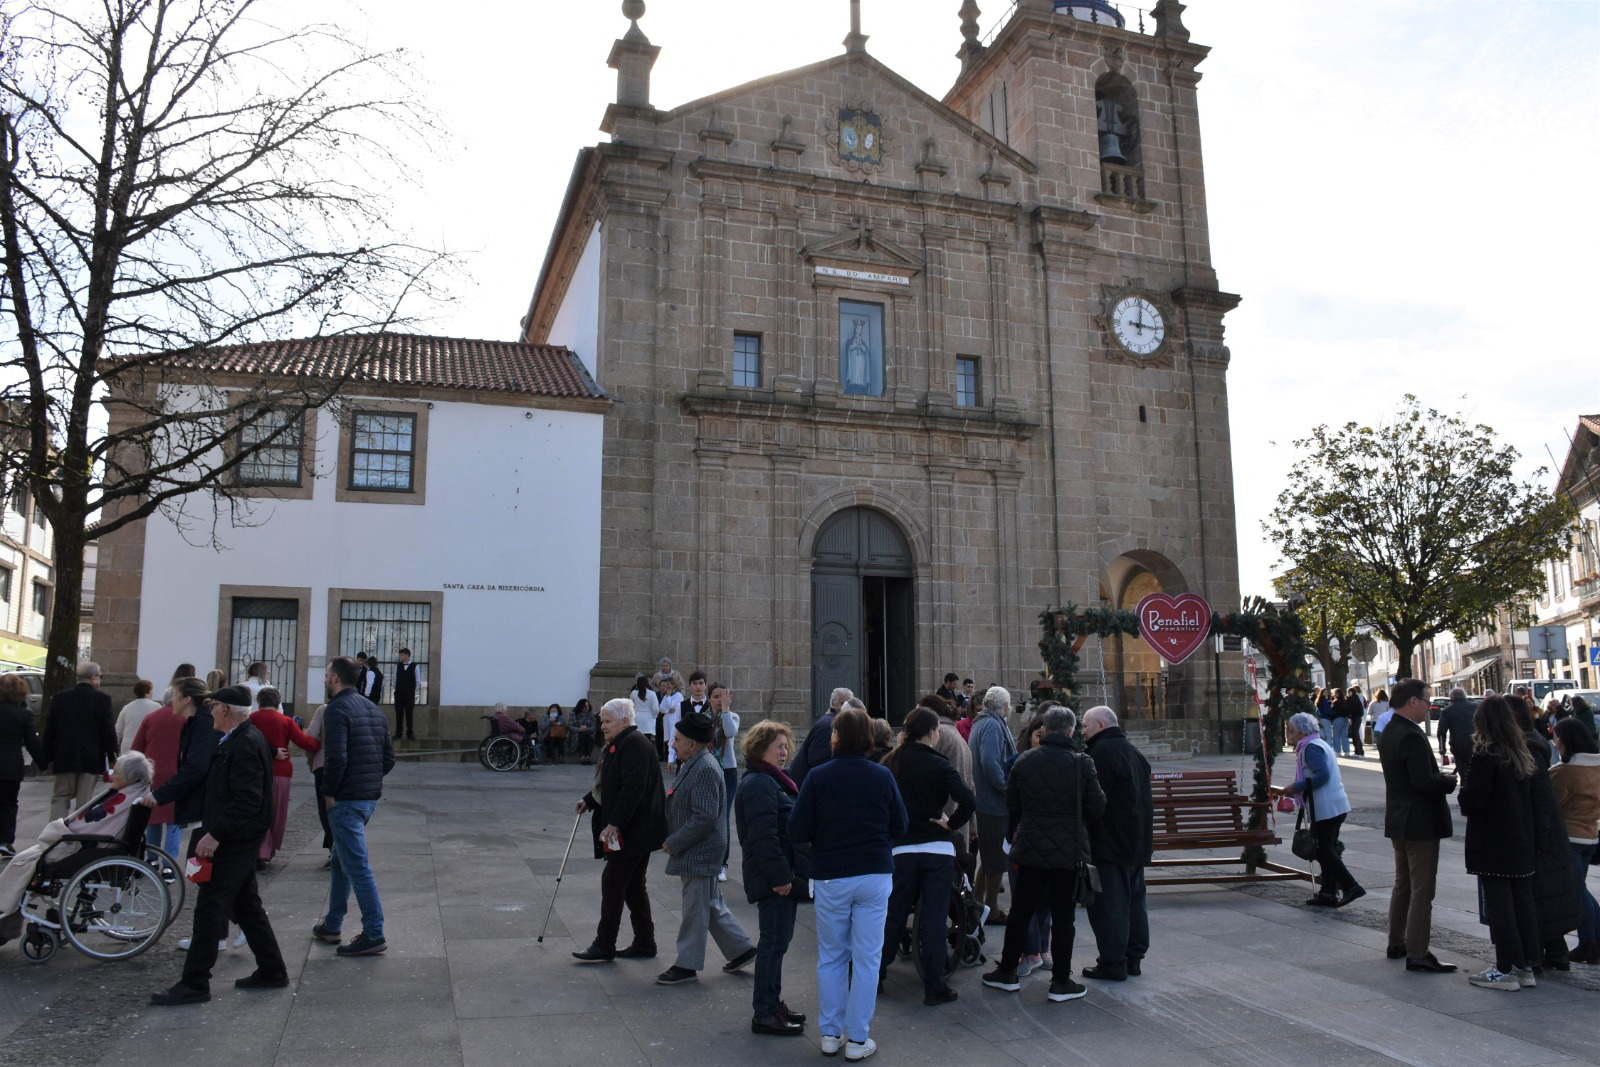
[697,834]
[235,817]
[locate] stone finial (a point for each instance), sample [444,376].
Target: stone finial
[1169,20]
[631,57]
[855,40]
[971,47]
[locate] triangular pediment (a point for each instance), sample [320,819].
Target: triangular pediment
[864,247]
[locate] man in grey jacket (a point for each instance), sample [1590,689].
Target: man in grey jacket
[992,748]
[697,834]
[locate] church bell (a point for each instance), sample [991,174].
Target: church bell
[1111,148]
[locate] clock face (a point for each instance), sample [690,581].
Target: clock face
[1138,325]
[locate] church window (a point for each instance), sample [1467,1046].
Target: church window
[967,394]
[861,348]
[747,361]
[1116,108]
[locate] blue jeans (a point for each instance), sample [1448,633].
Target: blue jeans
[1341,735]
[168,837]
[922,879]
[1589,916]
[850,917]
[351,869]
[776,915]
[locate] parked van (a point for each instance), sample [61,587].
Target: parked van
[1542,687]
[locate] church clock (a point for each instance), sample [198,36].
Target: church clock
[1138,325]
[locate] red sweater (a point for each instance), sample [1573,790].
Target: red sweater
[279,730]
[157,738]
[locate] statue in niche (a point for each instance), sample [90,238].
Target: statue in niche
[856,355]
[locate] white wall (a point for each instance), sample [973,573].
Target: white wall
[577,323]
[513,498]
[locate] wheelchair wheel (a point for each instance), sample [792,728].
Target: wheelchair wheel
[39,944]
[114,908]
[501,754]
[170,871]
[483,753]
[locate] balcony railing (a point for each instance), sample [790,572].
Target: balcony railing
[1123,181]
[1103,12]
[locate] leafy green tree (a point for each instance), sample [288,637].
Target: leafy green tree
[1329,621]
[1417,527]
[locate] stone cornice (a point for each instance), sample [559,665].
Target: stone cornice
[827,411]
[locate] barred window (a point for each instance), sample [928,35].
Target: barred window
[382,451]
[278,463]
[382,628]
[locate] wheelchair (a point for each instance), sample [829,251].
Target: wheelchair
[503,752]
[110,900]
[964,933]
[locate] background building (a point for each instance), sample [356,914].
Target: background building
[895,372]
[450,505]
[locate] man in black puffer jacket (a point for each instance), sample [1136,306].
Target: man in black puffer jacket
[357,753]
[1051,794]
[1121,842]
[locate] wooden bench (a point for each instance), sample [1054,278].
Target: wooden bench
[1205,810]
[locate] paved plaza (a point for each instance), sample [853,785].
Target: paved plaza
[466,860]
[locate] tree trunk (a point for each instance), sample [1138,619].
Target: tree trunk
[66,611]
[1407,651]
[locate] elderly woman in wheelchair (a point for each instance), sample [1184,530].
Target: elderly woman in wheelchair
[91,866]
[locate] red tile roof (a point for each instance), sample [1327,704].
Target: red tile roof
[404,359]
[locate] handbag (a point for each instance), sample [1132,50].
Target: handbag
[1089,887]
[1304,842]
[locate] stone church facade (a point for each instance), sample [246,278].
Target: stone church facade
[894,373]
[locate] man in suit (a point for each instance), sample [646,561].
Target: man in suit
[633,810]
[374,690]
[405,695]
[1416,818]
[235,818]
[80,741]
[947,688]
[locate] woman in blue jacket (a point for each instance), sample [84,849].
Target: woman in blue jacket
[849,810]
[1317,784]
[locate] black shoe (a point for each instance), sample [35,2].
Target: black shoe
[944,996]
[6,852]
[996,918]
[1065,989]
[180,994]
[262,981]
[792,1016]
[411,737]
[322,933]
[1562,962]
[636,952]
[1354,893]
[740,960]
[1428,964]
[362,945]
[327,864]
[999,978]
[1322,900]
[261,865]
[1134,968]
[676,975]
[1395,952]
[1105,974]
[395,738]
[595,954]
[776,1025]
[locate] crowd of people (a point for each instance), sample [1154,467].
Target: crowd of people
[213,758]
[870,829]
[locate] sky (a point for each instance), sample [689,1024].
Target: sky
[1400,192]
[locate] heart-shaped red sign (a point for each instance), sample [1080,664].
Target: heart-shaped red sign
[1174,626]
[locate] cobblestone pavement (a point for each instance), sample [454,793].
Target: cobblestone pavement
[466,861]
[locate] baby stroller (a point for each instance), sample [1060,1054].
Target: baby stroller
[508,746]
[110,900]
[964,934]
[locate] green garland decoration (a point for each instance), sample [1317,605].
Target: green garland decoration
[1278,632]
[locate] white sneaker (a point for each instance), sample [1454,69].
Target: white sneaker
[831,1044]
[722,875]
[1494,979]
[183,945]
[1027,965]
[860,1050]
[1525,978]
[239,939]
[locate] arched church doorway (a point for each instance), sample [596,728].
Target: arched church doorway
[863,631]
[1143,685]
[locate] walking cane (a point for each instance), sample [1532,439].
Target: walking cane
[570,839]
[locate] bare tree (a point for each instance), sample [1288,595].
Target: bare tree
[177,175]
